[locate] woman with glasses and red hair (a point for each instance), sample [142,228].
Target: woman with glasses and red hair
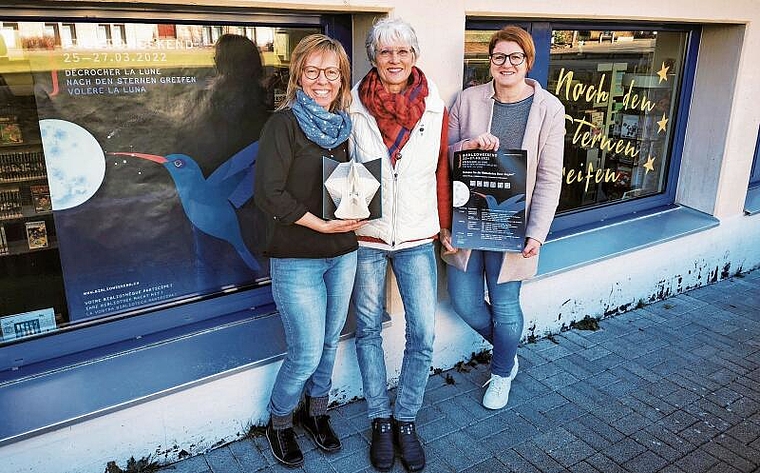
[509,112]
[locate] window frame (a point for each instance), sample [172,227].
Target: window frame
[754,175]
[574,220]
[97,338]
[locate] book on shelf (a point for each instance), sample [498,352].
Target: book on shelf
[36,235]
[4,250]
[10,131]
[41,198]
[22,166]
[10,204]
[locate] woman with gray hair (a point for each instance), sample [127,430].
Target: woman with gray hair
[399,117]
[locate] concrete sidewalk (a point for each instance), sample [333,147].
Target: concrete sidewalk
[672,387]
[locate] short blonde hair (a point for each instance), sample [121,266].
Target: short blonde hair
[318,43]
[517,35]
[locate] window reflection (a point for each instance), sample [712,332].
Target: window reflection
[620,92]
[97,120]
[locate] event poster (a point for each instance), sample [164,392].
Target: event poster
[489,199]
[150,145]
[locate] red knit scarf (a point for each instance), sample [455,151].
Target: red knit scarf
[396,114]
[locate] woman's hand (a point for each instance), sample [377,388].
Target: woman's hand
[445,237]
[532,247]
[342,226]
[310,220]
[485,141]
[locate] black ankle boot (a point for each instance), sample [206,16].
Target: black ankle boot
[381,452]
[319,429]
[284,447]
[410,450]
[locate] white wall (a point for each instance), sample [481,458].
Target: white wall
[720,139]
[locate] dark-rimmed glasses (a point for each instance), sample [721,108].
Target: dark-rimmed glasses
[498,59]
[331,73]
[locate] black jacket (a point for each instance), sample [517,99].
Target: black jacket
[288,184]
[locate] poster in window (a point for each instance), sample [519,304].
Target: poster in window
[629,127]
[489,200]
[157,205]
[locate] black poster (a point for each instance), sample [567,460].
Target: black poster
[489,200]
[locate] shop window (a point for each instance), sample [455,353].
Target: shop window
[68,35]
[624,95]
[104,35]
[113,158]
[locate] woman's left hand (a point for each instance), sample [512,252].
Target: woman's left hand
[445,237]
[532,247]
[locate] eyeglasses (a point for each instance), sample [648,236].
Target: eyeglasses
[331,73]
[402,53]
[498,59]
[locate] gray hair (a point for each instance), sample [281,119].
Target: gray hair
[389,30]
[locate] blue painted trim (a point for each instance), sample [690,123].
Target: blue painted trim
[752,202]
[142,370]
[754,176]
[542,37]
[339,27]
[73,393]
[77,343]
[567,251]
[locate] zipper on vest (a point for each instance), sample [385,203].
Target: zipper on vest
[395,207]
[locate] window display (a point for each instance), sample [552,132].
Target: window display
[127,154]
[620,90]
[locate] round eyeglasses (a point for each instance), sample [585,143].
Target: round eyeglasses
[331,73]
[498,59]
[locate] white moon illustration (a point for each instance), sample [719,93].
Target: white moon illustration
[461,194]
[75,163]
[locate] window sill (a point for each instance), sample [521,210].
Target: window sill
[131,376]
[752,203]
[577,247]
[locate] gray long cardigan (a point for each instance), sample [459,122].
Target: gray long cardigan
[544,141]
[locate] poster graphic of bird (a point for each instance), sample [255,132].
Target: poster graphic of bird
[210,204]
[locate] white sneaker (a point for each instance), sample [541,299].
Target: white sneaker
[497,394]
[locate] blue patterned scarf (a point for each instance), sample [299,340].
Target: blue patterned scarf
[324,128]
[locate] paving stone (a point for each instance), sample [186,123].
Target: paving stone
[221,460]
[460,450]
[535,454]
[745,432]
[647,462]
[605,464]
[248,455]
[698,460]
[488,466]
[513,461]
[582,467]
[655,445]
[721,467]
[602,428]
[624,450]
[437,429]
[195,464]
[725,455]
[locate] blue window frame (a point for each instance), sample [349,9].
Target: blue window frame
[601,36]
[754,178]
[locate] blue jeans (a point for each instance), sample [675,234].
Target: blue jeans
[312,296]
[415,270]
[501,321]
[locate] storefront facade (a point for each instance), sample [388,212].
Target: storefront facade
[133,325]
